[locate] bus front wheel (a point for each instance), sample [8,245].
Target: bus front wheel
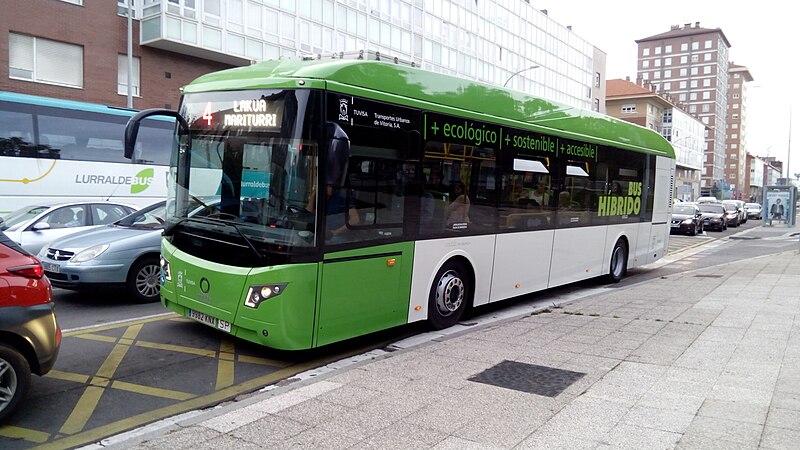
[450,295]
[619,262]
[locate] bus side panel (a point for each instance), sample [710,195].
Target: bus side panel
[429,256]
[363,291]
[643,244]
[629,231]
[578,254]
[521,263]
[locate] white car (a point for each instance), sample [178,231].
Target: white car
[34,226]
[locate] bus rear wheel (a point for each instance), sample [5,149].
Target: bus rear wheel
[619,262]
[449,296]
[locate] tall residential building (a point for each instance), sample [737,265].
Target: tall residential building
[496,41]
[642,105]
[736,140]
[691,63]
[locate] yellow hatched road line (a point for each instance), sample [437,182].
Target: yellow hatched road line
[177,348]
[38,437]
[155,392]
[225,364]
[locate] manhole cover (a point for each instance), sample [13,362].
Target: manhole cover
[708,276]
[530,378]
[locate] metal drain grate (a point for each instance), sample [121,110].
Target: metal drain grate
[530,378]
[708,276]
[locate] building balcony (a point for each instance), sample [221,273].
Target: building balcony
[175,28]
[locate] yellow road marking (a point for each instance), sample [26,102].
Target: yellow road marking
[68,376]
[83,410]
[91,396]
[98,337]
[155,392]
[225,364]
[119,426]
[24,433]
[177,348]
[262,361]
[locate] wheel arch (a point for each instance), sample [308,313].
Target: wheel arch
[140,257]
[24,347]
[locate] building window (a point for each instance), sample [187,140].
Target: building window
[735,116]
[706,95]
[45,61]
[706,107]
[684,59]
[695,58]
[736,95]
[708,43]
[692,108]
[693,83]
[628,109]
[657,63]
[645,64]
[735,106]
[682,85]
[668,48]
[683,72]
[684,47]
[667,85]
[707,82]
[667,61]
[707,70]
[695,45]
[597,79]
[667,74]
[734,126]
[707,57]
[122,75]
[645,52]
[76,2]
[692,96]
[596,105]
[658,50]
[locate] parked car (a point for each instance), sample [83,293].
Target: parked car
[686,218]
[123,254]
[34,226]
[753,210]
[713,216]
[707,200]
[731,214]
[739,208]
[29,333]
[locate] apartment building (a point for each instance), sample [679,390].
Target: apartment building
[643,105]
[691,63]
[736,139]
[499,42]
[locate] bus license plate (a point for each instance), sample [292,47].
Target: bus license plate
[209,320]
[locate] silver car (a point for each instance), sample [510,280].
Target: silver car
[34,226]
[123,254]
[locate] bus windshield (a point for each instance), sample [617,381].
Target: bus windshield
[249,162]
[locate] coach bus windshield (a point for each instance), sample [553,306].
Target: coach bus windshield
[243,176]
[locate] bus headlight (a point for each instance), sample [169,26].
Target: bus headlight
[261,292]
[166,273]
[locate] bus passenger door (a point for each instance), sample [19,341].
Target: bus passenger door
[363,291]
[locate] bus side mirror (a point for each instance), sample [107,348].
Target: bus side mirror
[338,156]
[132,128]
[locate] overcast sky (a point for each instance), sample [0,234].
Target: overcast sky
[614,26]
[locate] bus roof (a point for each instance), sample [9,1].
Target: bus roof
[443,93]
[66,104]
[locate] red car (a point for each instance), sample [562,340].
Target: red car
[29,333]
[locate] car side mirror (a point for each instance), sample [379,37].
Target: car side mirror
[41,226]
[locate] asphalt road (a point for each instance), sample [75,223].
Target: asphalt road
[123,365]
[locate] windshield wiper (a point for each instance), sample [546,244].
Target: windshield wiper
[168,230]
[236,227]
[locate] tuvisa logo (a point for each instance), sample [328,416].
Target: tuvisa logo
[142,180]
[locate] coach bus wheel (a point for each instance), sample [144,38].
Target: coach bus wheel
[143,280]
[619,262]
[449,296]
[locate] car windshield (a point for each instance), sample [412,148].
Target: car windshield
[150,217]
[730,207]
[712,208]
[683,209]
[20,216]
[752,206]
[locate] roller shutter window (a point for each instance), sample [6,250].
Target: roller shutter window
[45,61]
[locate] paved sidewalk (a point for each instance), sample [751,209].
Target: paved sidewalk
[704,359]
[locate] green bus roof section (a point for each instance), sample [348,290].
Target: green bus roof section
[410,86]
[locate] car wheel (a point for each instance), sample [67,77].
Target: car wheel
[143,280]
[450,295]
[15,378]
[694,231]
[619,262]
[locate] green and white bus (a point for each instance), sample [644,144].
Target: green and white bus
[314,201]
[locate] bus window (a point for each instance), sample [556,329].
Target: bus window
[527,196]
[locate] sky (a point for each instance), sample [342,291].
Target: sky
[751,28]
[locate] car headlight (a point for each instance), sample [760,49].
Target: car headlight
[90,253]
[687,222]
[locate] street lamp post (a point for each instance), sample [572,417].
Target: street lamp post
[535,66]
